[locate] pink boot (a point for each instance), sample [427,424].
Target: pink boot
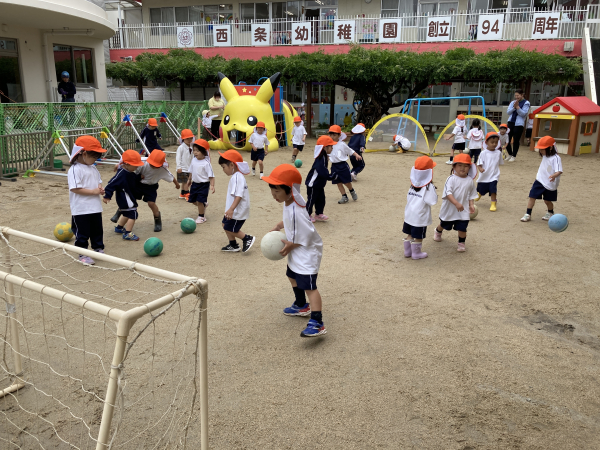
[407,249]
[416,250]
[437,235]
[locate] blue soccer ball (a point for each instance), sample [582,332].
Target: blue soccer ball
[558,223]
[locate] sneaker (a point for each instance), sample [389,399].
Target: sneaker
[437,236]
[461,247]
[511,159]
[253,172]
[119,229]
[297,310]
[262,175]
[183,196]
[344,199]
[247,242]
[313,329]
[200,219]
[231,248]
[312,219]
[526,218]
[353,176]
[321,218]
[130,236]
[547,216]
[86,260]
[187,197]
[99,250]
[354,195]
[449,162]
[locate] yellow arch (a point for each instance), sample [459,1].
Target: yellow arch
[412,119]
[469,116]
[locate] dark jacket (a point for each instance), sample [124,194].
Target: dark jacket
[150,138]
[357,142]
[123,184]
[68,88]
[319,168]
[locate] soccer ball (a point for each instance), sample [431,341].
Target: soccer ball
[558,223]
[63,232]
[271,245]
[392,148]
[475,213]
[188,225]
[153,246]
[298,163]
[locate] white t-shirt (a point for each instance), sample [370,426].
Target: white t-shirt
[548,166]
[463,190]
[82,176]
[418,206]
[530,124]
[153,175]
[503,139]
[238,188]
[340,153]
[201,170]
[297,134]
[184,157]
[459,136]
[491,162]
[475,137]
[259,140]
[306,259]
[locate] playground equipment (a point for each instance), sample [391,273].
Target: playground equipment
[382,133]
[129,120]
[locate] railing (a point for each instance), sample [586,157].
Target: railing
[518,25]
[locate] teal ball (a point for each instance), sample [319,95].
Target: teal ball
[298,163]
[153,246]
[188,225]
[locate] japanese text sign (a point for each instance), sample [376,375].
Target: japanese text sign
[438,29]
[490,27]
[185,36]
[389,30]
[545,25]
[343,31]
[301,33]
[261,33]
[222,35]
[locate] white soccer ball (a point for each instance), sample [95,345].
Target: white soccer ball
[271,245]
[475,213]
[393,148]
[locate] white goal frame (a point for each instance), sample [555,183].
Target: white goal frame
[124,321]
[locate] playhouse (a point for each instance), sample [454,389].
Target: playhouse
[572,121]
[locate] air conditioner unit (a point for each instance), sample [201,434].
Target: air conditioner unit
[569,46]
[127,58]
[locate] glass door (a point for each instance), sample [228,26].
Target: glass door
[10,73]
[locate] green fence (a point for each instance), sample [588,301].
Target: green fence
[25,128]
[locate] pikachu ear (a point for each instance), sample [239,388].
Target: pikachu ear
[227,87]
[266,91]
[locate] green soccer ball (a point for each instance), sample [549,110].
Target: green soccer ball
[63,232]
[188,225]
[298,163]
[153,246]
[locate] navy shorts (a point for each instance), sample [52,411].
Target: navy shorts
[232,225]
[340,173]
[458,146]
[199,192]
[528,132]
[458,225]
[304,282]
[299,147]
[414,232]
[131,214]
[539,191]
[487,188]
[257,155]
[147,192]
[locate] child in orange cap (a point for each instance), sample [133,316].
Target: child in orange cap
[504,137]
[529,128]
[260,147]
[317,178]
[85,188]
[358,144]
[459,137]
[183,159]
[203,178]
[298,137]
[459,191]
[340,171]
[123,184]
[488,165]
[237,204]
[150,136]
[303,247]
[475,137]
[417,213]
[546,182]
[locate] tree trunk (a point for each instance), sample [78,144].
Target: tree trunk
[140,90]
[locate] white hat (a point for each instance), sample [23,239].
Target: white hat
[297,196]
[420,178]
[343,136]
[75,151]
[358,129]
[460,123]
[318,149]
[402,141]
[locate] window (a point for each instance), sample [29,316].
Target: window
[398,8]
[588,128]
[182,15]
[320,3]
[219,13]
[173,15]
[75,60]
[10,75]
[285,10]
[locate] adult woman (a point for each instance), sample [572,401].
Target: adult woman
[517,117]
[216,106]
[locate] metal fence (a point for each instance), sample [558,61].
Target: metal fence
[518,25]
[25,128]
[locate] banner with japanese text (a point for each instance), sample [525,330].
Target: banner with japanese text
[261,34]
[389,30]
[222,35]
[301,33]
[343,31]
[438,29]
[545,25]
[490,27]
[185,37]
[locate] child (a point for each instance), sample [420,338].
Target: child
[546,182]
[402,143]
[298,137]
[504,137]
[317,178]
[458,191]
[417,213]
[475,137]
[123,184]
[459,137]
[529,129]
[237,205]
[203,178]
[489,167]
[303,247]
[207,124]
[340,171]
[357,143]
[260,147]
[85,187]
[150,136]
[183,158]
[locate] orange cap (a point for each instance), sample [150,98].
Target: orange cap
[232,155]
[260,125]
[424,163]
[297,119]
[545,142]
[285,174]
[335,129]
[361,124]
[89,144]
[185,134]
[156,159]
[503,125]
[460,117]
[490,135]
[133,158]
[152,122]
[462,158]
[325,141]
[202,143]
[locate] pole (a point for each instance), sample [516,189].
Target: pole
[204,373]
[120,26]
[308,113]
[140,90]
[332,106]
[182,90]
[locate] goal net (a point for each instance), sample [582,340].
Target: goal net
[106,356]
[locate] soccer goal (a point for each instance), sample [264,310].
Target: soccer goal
[106,356]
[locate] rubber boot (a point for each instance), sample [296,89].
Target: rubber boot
[493,207]
[407,249]
[157,223]
[115,218]
[416,250]
[478,197]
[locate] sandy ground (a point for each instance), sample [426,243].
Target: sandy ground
[495,348]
